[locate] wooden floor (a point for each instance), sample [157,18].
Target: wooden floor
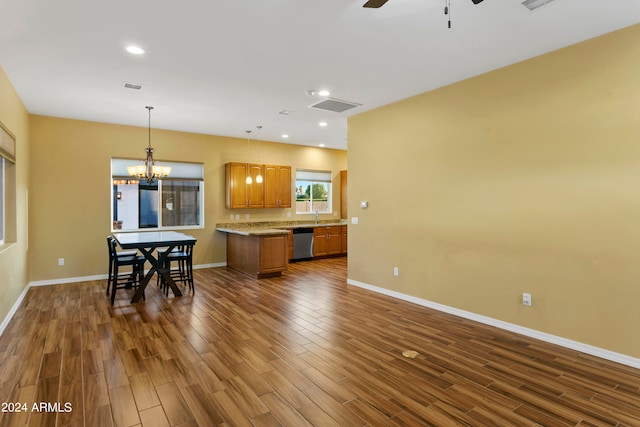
[303,349]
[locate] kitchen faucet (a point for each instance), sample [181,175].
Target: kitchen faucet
[316,216]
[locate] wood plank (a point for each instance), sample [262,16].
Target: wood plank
[123,406]
[202,407]
[154,417]
[174,405]
[284,412]
[143,391]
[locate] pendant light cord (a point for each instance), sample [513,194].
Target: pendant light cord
[447,11]
[149,108]
[259,127]
[248,150]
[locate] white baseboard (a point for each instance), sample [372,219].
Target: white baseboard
[67,280]
[13,310]
[532,333]
[104,276]
[213,265]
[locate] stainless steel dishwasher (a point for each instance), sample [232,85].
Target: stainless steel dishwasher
[302,243]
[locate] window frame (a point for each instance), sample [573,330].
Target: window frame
[313,177]
[192,172]
[8,232]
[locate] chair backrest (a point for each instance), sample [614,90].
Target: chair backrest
[186,249]
[111,243]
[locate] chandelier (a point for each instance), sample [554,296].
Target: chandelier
[149,171]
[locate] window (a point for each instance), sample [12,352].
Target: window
[313,191]
[163,204]
[7,186]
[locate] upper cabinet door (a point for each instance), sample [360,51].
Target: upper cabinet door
[255,189]
[277,186]
[237,194]
[284,186]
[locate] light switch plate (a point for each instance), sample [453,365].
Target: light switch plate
[354,220]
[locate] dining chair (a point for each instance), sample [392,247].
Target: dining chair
[128,279]
[183,273]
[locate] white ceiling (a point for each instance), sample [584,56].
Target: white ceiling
[221,67]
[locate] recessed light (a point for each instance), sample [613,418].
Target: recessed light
[285,136]
[322,124]
[136,50]
[323,93]
[320,145]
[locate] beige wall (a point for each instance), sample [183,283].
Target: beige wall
[525,179]
[70,205]
[13,255]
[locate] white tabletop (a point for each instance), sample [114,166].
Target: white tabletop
[152,238]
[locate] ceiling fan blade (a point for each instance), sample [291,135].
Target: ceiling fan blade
[378,3]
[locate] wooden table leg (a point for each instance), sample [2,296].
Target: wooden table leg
[156,266]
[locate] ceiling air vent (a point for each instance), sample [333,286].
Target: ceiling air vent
[335,105]
[132,86]
[534,4]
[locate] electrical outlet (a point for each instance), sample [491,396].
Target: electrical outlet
[526,299]
[396,272]
[60,261]
[354,220]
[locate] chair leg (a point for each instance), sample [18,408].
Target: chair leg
[140,273]
[190,275]
[114,284]
[109,277]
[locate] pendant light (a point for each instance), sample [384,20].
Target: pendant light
[259,177]
[248,180]
[149,171]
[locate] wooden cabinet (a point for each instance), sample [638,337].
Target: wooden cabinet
[256,190]
[319,241]
[240,194]
[277,186]
[257,256]
[237,189]
[343,194]
[344,239]
[273,192]
[290,244]
[327,241]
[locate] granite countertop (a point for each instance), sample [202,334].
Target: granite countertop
[272,227]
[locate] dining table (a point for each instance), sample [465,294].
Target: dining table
[147,242]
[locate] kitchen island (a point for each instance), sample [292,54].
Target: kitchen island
[262,249]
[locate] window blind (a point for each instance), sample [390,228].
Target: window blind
[315,176]
[179,170]
[7,145]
